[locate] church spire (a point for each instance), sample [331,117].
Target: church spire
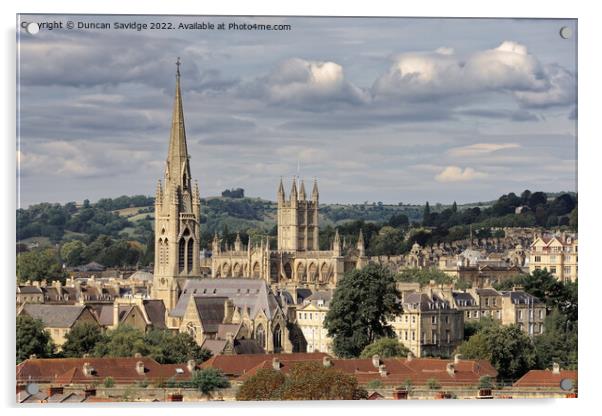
[302,195]
[294,190]
[177,158]
[281,195]
[315,195]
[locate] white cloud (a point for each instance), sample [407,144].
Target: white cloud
[457,174]
[310,83]
[480,149]
[506,68]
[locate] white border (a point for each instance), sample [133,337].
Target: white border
[590,70]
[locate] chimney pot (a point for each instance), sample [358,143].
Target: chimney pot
[191,364]
[382,369]
[556,368]
[327,362]
[451,369]
[410,356]
[276,364]
[376,360]
[457,358]
[140,367]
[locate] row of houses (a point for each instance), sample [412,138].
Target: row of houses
[433,319]
[83,379]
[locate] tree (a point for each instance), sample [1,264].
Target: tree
[385,348]
[433,384]
[544,286]
[312,381]
[208,380]
[266,384]
[168,348]
[72,252]
[426,214]
[424,276]
[558,343]
[39,265]
[108,382]
[389,241]
[573,218]
[363,303]
[507,348]
[454,207]
[82,339]
[32,338]
[399,220]
[124,341]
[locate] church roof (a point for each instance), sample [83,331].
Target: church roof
[245,293]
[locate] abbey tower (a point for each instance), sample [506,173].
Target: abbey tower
[298,228]
[177,215]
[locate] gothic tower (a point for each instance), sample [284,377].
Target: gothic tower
[298,228]
[177,214]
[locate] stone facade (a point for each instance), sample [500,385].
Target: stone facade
[556,253]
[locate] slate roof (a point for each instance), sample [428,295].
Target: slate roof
[424,302]
[105,318]
[464,299]
[487,292]
[29,290]
[54,316]
[245,293]
[234,366]
[518,297]
[155,311]
[211,311]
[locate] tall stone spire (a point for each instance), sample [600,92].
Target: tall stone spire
[294,193]
[178,167]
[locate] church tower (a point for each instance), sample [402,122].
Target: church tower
[298,228]
[177,214]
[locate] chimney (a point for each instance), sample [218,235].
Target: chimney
[36,283]
[276,364]
[326,362]
[137,355]
[140,367]
[115,315]
[33,357]
[555,368]
[410,356]
[191,364]
[382,370]
[87,369]
[451,369]
[457,358]
[376,360]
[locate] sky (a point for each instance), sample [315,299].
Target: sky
[377,109]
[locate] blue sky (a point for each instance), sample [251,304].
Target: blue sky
[378,109]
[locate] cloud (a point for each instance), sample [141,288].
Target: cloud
[507,68]
[456,174]
[307,84]
[479,149]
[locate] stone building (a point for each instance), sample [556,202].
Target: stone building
[231,310]
[310,320]
[429,325]
[297,261]
[557,254]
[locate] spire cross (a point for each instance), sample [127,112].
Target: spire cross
[178,63]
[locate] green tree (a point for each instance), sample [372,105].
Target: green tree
[39,265]
[363,303]
[32,338]
[573,218]
[433,384]
[82,339]
[424,276]
[124,341]
[169,348]
[388,241]
[507,348]
[426,214]
[108,382]
[385,348]
[72,252]
[208,380]
[558,343]
[266,384]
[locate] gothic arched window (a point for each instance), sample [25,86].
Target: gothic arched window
[260,336]
[277,338]
[181,254]
[190,254]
